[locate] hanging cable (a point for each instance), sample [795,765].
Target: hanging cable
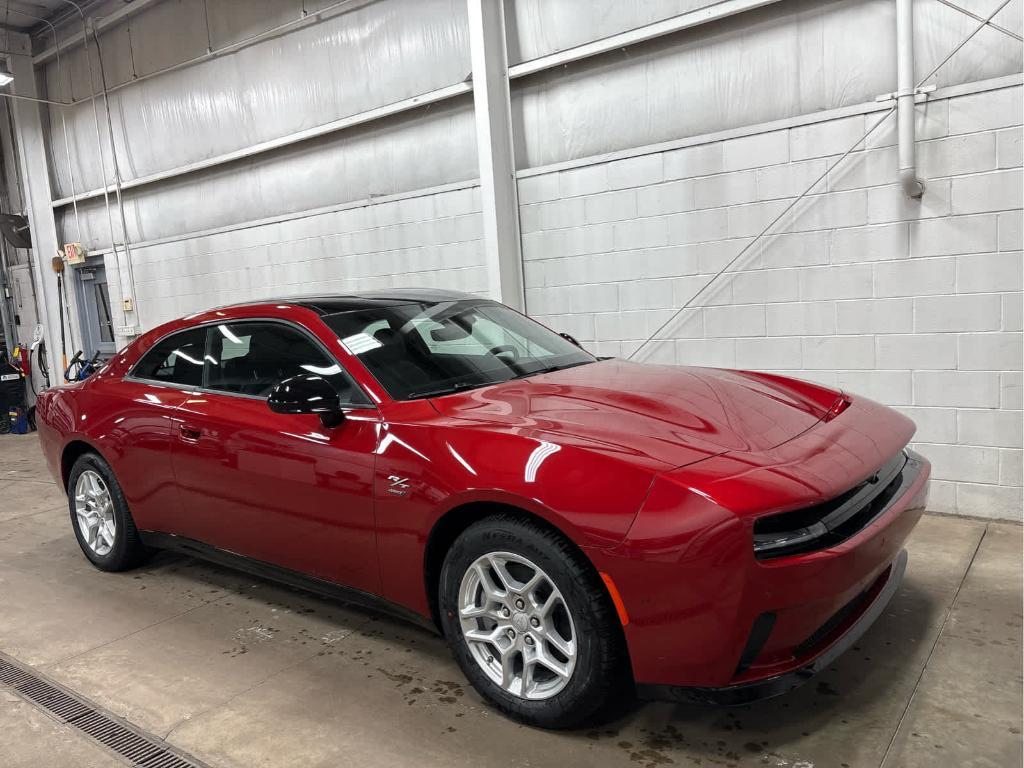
[117,180]
[889,112]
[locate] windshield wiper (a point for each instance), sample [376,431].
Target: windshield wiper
[463,385]
[438,391]
[550,369]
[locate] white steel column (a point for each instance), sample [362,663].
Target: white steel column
[905,92]
[35,175]
[502,248]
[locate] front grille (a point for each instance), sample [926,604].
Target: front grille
[840,617]
[831,522]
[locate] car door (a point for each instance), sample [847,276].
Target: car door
[282,489]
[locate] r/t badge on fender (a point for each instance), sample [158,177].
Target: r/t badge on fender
[398,486]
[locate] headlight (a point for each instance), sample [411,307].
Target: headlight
[767,544]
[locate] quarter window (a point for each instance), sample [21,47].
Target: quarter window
[178,359]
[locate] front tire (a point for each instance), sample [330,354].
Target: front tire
[100,517]
[531,626]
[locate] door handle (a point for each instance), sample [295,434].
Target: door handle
[189,433]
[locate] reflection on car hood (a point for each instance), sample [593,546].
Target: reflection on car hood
[665,415]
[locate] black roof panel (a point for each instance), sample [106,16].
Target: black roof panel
[330,303]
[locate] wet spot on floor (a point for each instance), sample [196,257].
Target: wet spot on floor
[650,758]
[396,677]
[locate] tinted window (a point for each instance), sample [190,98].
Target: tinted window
[178,359]
[420,349]
[251,358]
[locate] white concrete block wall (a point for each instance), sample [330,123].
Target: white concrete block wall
[914,303]
[417,240]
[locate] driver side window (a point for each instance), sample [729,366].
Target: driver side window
[251,358]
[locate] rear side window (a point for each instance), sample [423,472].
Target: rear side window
[251,358]
[177,359]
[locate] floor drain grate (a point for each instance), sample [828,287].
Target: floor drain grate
[136,747]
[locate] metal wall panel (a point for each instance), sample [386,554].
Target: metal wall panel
[539,27]
[375,54]
[235,20]
[169,32]
[784,60]
[384,158]
[938,29]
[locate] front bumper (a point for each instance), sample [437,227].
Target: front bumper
[697,597]
[744,693]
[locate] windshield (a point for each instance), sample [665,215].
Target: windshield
[424,349]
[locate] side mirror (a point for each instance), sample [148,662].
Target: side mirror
[571,339]
[307,393]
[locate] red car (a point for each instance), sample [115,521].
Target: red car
[577,527]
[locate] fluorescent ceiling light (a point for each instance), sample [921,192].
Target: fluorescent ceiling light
[5,73]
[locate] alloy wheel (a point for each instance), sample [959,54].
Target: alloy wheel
[517,625]
[94,510]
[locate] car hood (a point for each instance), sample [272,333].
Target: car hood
[667,416]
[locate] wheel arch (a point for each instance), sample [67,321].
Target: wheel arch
[73,449]
[452,523]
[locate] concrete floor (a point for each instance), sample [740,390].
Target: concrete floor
[243,673]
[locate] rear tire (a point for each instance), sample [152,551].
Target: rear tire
[100,517]
[545,645]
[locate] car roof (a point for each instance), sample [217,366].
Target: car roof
[326,304]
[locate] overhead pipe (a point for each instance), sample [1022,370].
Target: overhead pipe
[906,90]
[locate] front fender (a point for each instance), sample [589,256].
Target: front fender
[425,471]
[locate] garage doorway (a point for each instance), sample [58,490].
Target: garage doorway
[96,320]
